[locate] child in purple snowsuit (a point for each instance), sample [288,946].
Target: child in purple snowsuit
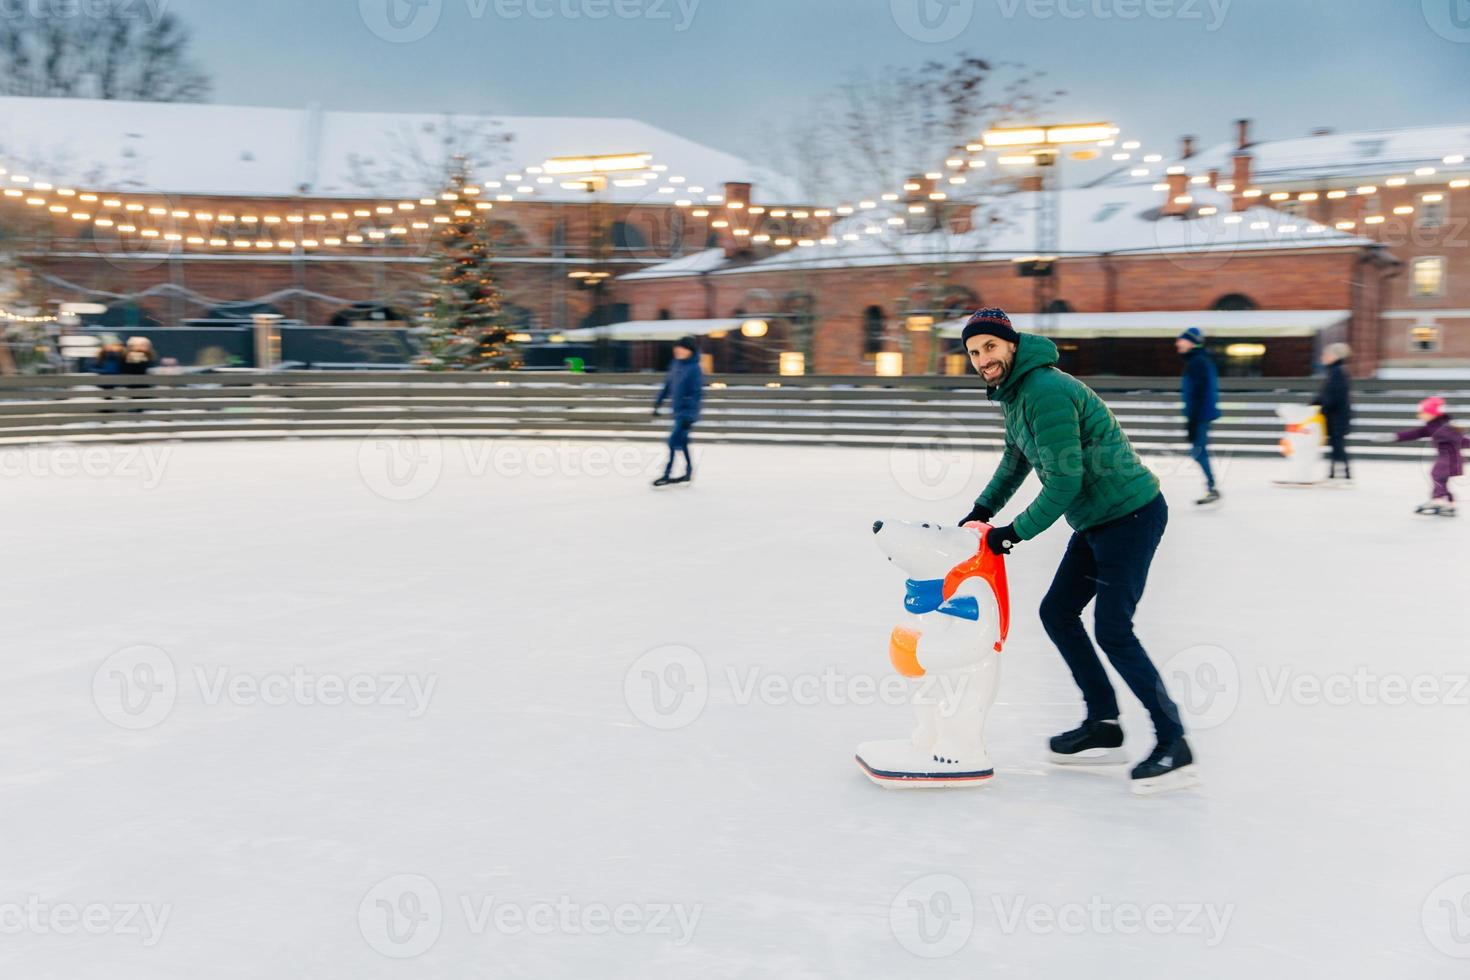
[1448,442]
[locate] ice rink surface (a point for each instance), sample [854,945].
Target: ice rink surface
[378,709]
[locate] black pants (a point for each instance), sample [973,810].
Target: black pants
[679,443]
[1337,440]
[1199,451]
[1110,563]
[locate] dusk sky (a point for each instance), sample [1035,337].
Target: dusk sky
[718,70]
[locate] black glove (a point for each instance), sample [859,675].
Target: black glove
[979,513]
[1190,431]
[655,411]
[1001,539]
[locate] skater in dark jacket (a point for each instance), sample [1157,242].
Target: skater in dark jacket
[1448,441]
[1200,390]
[1090,474]
[684,388]
[1335,400]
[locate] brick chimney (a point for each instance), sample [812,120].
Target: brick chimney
[1186,147]
[922,188]
[1178,186]
[1241,176]
[960,219]
[738,215]
[1242,134]
[1214,176]
[916,191]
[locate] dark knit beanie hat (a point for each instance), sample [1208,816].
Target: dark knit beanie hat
[689,343]
[992,321]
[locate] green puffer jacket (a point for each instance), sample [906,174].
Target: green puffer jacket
[1058,426]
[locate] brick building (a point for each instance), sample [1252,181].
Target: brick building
[177,212]
[1407,190]
[842,302]
[171,213]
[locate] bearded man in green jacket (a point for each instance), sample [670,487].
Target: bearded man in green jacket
[1059,428]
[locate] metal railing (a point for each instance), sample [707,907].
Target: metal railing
[849,411]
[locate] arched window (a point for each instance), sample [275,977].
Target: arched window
[517,317]
[368,315]
[874,324]
[625,235]
[759,303]
[1234,301]
[503,236]
[959,301]
[240,311]
[121,313]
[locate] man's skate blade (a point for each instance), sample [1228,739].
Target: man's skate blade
[1185,778]
[889,779]
[1090,757]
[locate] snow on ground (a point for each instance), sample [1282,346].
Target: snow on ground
[528,781]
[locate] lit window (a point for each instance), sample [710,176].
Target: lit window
[1424,338]
[1432,211]
[1427,276]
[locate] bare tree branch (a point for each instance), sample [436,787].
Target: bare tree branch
[122,53]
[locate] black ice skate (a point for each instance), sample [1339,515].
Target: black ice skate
[1169,766]
[1436,508]
[1212,496]
[1093,743]
[663,481]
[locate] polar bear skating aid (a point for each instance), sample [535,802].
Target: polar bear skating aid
[959,608]
[1301,445]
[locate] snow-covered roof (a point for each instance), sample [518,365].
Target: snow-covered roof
[1171,323]
[1093,221]
[1367,153]
[652,329]
[255,151]
[702,261]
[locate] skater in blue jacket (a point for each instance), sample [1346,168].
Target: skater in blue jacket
[1200,390]
[684,388]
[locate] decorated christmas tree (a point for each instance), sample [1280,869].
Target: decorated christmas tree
[463,313]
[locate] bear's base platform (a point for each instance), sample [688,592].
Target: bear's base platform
[897,764]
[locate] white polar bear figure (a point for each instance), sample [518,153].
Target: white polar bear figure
[959,608]
[1302,443]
